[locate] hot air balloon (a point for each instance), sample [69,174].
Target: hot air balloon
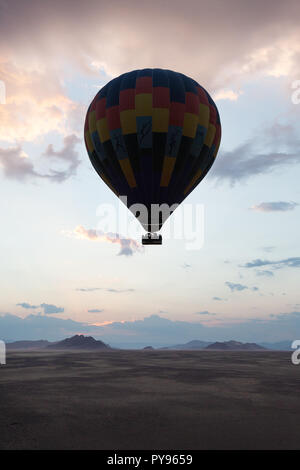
[152,135]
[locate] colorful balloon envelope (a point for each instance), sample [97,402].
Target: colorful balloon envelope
[152,135]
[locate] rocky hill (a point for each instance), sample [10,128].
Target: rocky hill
[234,346]
[79,342]
[191,345]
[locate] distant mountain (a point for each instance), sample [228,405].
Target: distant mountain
[234,346]
[28,345]
[79,342]
[279,346]
[148,348]
[88,342]
[191,345]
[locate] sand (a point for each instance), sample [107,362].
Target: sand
[124,400]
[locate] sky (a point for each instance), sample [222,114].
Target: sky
[238,267]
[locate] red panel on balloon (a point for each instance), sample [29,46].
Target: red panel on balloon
[161,97]
[176,114]
[127,99]
[202,95]
[113,118]
[143,85]
[100,108]
[212,114]
[191,103]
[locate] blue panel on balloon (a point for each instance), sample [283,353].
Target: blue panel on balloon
[145,73]
[97,144]
[160,78]
[198,141]
[118,143]
[177,90]
[128,80]
[173,141]
[144,131]
[102,93]
[189,84]
[112,98]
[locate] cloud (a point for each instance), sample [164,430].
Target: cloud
[205,312]
[280,206]
[265,273]
[38,327]
[128,246]
[68,155]
[39,68]
[95,310]
[268,249]
[49,309]
[283,263]
[235,287]
[117,291]
[226,95]
[107,289]
[36,100]
[276,147]
[17,165]
[88,289]
[239,287]
[186,266]
[113,36]
[26,305]
[155,330]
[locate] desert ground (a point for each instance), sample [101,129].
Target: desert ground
[124,400]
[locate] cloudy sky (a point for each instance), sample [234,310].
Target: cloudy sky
[56,262]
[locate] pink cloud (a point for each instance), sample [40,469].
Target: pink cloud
[17,165]
[128,246]
[217,43]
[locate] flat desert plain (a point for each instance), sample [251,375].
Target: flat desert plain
[124,400]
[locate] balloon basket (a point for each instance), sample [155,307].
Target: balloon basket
[151,239]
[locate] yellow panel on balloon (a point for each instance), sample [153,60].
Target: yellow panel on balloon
[210,135]
[88,141]
[203,115]
[143,104]
[92,121]
[160,120]
[127,170]
[102,129]
[168,166]
[190,125]
[128,121]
